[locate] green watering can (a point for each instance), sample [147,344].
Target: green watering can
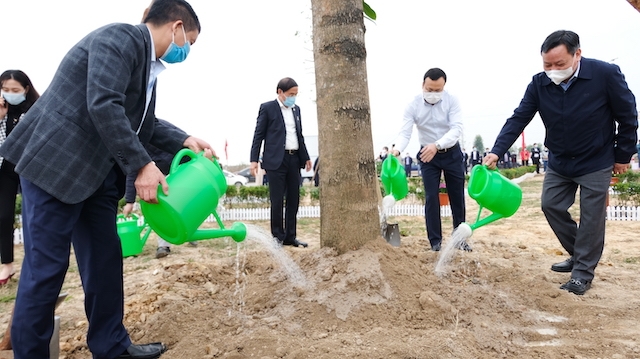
[394,178]
[194,190]
[494,192]
[129,232]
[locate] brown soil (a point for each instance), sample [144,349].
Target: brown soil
[499,301]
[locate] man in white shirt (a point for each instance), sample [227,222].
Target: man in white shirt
[436,114]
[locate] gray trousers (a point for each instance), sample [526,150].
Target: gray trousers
[584,242]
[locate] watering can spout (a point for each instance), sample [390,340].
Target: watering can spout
[238,232]
[491,218]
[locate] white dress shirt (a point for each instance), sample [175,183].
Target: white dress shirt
[440,123]
[154,70]
[291,138]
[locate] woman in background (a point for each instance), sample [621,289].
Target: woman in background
[16,97]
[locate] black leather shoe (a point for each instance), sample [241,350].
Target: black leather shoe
[296,243]
[577,286]
[144,351]
[564,267]
[464,246]
[435,247]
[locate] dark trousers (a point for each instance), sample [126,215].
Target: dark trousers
[451,164]
[584,242]
[8,190]
[284,182]
[50,227]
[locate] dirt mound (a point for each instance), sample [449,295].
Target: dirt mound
[499,301]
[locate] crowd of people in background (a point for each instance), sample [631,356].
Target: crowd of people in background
[533,155]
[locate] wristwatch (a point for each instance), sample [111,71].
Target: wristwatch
[438,147]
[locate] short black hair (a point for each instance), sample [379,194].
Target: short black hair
[434,74]
[286,84]
[569,39]
[165,11]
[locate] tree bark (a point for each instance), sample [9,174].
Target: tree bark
[348,183]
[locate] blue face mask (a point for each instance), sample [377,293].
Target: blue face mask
[176,53]
[289,101]
[14,98]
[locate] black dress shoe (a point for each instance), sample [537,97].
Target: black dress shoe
[577,286]
[296,243]
[144,351]
[564,267]
[436,247]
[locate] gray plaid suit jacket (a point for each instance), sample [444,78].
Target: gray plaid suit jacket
[86,120]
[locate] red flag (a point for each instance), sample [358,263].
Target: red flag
[226,154]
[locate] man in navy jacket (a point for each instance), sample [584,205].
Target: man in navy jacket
[580,101]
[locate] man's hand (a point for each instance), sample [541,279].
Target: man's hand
[428,152]
[254,169]
[127,209]
[307,166]
[620,168]
[147,182]
[197,145]
[490,160]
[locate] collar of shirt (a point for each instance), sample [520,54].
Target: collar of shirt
[291,138]
[441,122]
[156,66]
[566,85]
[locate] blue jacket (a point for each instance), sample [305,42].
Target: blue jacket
[580,123]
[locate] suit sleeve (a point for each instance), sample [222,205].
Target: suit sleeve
[518,121]
[130,189]
[167,136]
[623,106]
[259,133]
[118,51]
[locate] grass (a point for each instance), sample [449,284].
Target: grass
[8,298]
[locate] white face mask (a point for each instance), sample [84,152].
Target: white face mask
[432,97]
[557,76]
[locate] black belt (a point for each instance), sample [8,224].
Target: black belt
[445,150]
[291,152]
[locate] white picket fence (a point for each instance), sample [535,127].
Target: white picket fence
[614,213]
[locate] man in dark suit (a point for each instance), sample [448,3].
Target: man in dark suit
[581,101]
[465,160]
[475,157]
[408,161]
[72,151]
[535,156]
[285,153]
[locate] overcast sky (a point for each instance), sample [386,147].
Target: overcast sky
[489,50]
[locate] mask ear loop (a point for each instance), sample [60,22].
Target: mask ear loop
[184,32]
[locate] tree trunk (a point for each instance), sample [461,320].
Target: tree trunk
[348,183]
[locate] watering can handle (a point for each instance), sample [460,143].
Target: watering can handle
[123,217]
[189,153]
